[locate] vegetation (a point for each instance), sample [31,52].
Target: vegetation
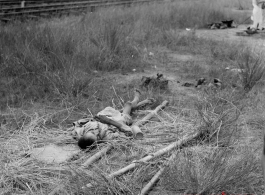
[57,71]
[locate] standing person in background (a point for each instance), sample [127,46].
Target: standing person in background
[257,16]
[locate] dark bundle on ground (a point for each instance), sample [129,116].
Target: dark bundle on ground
[158,82]
[222,25]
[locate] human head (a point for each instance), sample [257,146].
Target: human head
[87,140]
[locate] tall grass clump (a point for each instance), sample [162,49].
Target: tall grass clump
[218,114]
[45,60]
[251,68]
[212,170]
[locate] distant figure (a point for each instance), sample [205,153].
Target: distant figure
[257,14]
[23,4]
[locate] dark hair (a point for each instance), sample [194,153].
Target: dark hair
[85,142]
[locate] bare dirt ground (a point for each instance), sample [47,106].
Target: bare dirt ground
[257,41]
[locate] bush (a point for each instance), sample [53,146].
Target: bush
[251,67]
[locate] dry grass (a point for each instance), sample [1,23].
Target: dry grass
[211,170]
[58,58]
[48,72]
[252,68]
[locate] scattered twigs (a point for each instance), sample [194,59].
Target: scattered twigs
[151,114]
[155,178]
[96,156]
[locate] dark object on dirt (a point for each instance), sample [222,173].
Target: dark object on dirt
[243,33]
[216,25]
[251,31]
[158,82]
[228,23]
[187,84]
[200,81]
[222,25]
[85,142]
[217,82]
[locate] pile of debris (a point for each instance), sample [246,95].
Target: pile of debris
[222,25]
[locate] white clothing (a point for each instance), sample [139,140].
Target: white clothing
[257,15]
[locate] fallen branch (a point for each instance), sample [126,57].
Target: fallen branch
[151,114]
[155,178]
[96,156]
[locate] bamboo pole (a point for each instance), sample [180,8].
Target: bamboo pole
[152,182]
[151,114]
[96,156]
[155,178]
[138,134]
[161,152]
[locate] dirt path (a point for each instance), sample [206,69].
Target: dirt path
[229,35]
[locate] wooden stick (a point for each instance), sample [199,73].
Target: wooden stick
[179,143]
[151,114]
[152,182]
[96,156]
[161,152]
[138,134]
[155,178]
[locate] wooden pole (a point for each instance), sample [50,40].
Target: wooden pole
[96,156]
[155,178]
[161,152]
[151,114]
[179,143]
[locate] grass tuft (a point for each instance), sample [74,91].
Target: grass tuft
[251,68]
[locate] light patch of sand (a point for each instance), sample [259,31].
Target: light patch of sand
[54,154]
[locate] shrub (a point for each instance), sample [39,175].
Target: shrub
[251,68]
